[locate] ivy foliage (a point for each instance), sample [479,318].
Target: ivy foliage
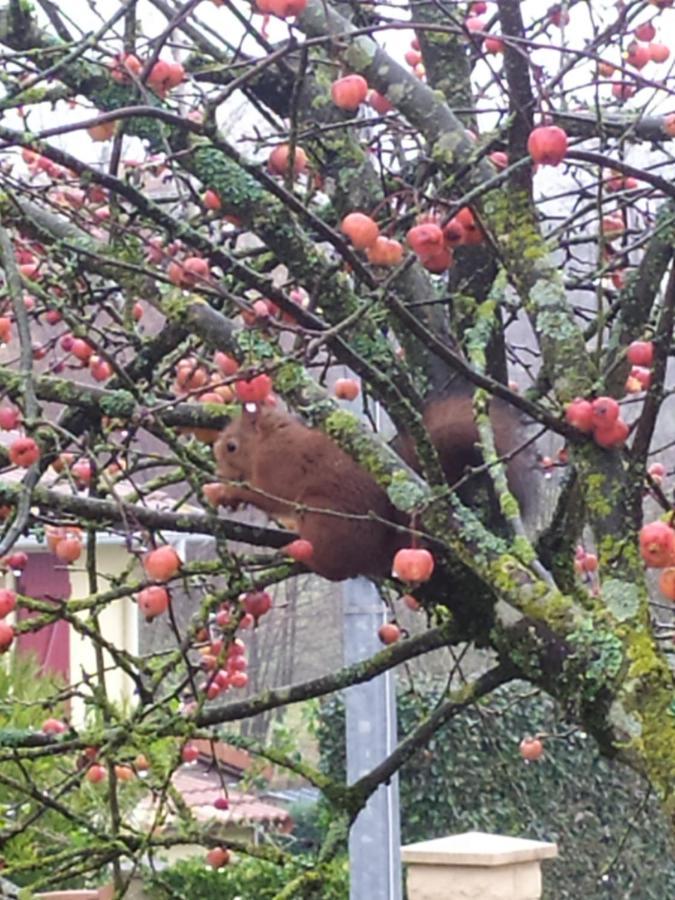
[611,834]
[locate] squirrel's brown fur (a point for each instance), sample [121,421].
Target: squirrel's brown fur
[286,465]
[453,432]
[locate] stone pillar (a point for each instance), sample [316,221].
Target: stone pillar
[370,714]
[476,866]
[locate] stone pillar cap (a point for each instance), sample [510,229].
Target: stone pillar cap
[476,848]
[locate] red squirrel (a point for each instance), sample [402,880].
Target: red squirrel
[453,432]
[284,463]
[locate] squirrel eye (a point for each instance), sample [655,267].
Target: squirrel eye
[231,445]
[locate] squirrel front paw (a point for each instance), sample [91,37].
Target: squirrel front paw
[218,494]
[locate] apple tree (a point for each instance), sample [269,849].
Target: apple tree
[424,194]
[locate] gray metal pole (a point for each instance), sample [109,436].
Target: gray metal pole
[370,708]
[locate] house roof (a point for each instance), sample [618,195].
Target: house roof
[234,760]
[200,789]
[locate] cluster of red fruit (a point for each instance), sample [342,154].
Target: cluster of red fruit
[192,271]
[657,548]
[601,418]
[638,53]
[219,387]
[414,59]
[160,564]
[434,244]
[99,368]
[162,77]
[65,542]
[364,233]
[585,562]
[226,666]
[95,772]
[640,355]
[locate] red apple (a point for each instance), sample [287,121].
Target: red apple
[218,857]
[284,9]
[300,550]
[412,604]
[347,389]
[9,418]
[657,545]
[100,369]
[389,633]
[638,55]
[68,549]
[253,390]
[379,103]
[162,563]
[7,602]
[153,601]
[361,230]
[257,604]
[24,452]
[605,411]
[239,679]
[385,252]
[280,159]
[547,145]
[227,364]
[349,92]
[645,32]
[18,560]
[493,45]
[102,132]
[579,413]
[425,239]
[611,435]
[53,726]
[667,583]
[413,565]
[639,353]
[657,471]
[95,774]
[659,53]
[189,753]
[531,749]
[438,262]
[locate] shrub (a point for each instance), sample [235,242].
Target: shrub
[612,836]
[244,879]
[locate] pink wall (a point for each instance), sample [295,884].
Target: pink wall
[46,578]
